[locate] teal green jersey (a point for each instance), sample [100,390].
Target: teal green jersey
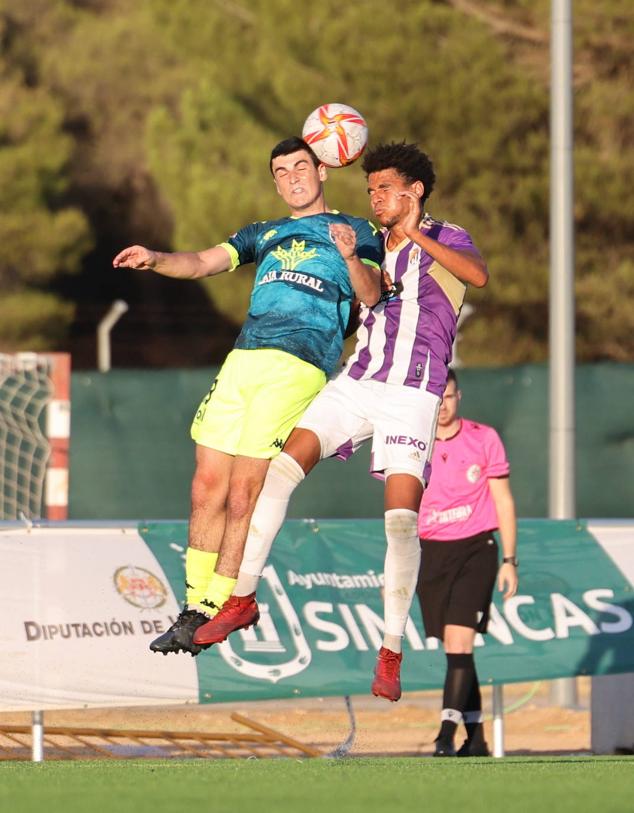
[302,293]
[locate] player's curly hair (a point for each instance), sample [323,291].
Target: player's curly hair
[407,159]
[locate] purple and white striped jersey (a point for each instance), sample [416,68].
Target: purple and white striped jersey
[407,338]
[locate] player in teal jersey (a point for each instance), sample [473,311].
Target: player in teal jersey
[298,256]
[309,267]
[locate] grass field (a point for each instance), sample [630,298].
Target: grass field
[515,785]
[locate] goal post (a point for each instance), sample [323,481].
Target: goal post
[34,435]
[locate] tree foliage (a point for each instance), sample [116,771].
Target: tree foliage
[169,108]
[40,236]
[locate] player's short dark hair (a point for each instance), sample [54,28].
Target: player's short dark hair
[451,376]
[407,159]
[290,145]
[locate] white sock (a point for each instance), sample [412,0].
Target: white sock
[393,642]
[282,478]
[402,560]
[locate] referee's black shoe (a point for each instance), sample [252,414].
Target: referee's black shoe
[180,636]
[444,748]
[473,748]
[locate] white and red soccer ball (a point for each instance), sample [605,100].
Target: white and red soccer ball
[337,134]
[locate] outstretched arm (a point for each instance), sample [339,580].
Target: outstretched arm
[365,279]
[465,265]
[180,265]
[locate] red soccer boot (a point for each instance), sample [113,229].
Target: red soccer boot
[387,674]
[237,613]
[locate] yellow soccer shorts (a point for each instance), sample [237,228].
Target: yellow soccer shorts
[255,402]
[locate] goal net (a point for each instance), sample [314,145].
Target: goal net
[34,435]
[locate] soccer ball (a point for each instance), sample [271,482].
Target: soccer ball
[337,134]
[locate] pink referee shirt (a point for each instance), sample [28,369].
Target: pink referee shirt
[458,503]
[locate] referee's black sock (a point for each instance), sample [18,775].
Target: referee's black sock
[472,714]
[458,682]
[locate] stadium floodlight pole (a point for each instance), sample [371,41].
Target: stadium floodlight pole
[562,504]
[117,309]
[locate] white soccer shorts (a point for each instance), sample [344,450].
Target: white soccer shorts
[400,420]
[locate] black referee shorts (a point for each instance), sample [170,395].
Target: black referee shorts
[456,582]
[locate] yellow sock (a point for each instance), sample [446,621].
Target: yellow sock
[218,591]
[199,568]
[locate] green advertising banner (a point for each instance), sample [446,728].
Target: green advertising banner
[322,617]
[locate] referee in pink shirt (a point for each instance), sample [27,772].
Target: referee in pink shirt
[468,498]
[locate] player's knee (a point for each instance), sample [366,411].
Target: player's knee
[458,647]
[303,447]
[284,474]
[241,498]
[458,640]
[206,485]
[401,526]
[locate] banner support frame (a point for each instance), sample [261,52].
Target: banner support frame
[498,720]
[37,743]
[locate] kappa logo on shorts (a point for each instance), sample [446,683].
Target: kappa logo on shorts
[278,443]
[405,440]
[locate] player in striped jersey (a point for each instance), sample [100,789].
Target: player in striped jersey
[390,391]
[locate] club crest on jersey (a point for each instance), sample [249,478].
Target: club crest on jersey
[267,652]
[473,473]
[293,256]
